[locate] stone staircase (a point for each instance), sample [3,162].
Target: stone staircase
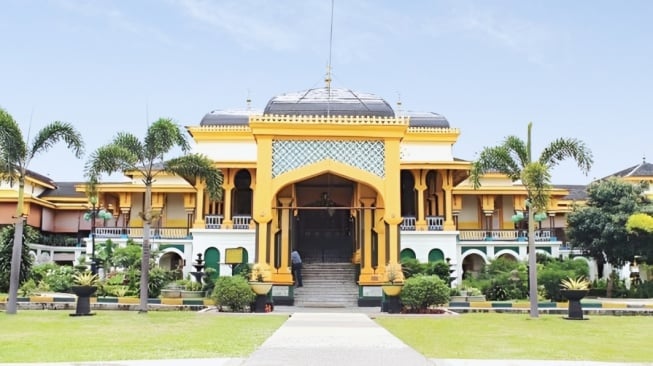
[327,285]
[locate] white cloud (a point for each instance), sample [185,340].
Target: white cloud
[522,36]
[117,19]
[246,22]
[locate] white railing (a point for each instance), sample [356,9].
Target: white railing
[241,222]
[408,223]
[473,235]
[213,221]
[137,232]
[109,232]
[542,235]
[435,223]
[504,235]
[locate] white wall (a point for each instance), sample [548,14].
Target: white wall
[221,240]
[425,152]
[241,151]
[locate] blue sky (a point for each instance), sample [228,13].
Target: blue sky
[577,69]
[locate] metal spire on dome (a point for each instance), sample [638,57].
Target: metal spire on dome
[327,79]
[249,101]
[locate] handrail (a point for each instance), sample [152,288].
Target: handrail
[433,223]
[137,232]
[504,235]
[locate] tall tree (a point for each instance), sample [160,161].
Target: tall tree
[608,227]
[17,154]
[513,158]
[127,153]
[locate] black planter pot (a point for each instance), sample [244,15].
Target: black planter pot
[83,306]
[575,310]
[393,304]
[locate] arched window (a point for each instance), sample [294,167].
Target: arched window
[212,260]
[242,194]
[407,254]
[436,255]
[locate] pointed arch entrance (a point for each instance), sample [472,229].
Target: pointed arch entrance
[323,222]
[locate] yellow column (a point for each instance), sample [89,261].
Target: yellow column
[392,214]
[284,274]
[199,208]
[366,248]
[420,187]
[447,185]
[158,200]
[262,210]
[125,204]
[227,221]
[392,234]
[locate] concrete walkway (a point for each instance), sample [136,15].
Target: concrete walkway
[334,338]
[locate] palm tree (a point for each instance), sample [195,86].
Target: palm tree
[16,156]
[127,153]
[513,158]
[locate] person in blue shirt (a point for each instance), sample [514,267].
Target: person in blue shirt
[296,260]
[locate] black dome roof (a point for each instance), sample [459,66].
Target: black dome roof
[222,118]
[329,101]
[427,119]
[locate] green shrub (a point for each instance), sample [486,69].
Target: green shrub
[158,278]
[440,269]
[28,288]
[193,286]
[209,277]
[233,292]
[421,292]
[6,250]
[552,273]
[501,279]
[55,277]
[643,290]
[412,267]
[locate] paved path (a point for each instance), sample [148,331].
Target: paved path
[333,337]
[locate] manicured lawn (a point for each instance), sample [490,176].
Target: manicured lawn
[517,336]
[55,336]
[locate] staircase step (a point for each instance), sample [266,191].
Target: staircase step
[327,285]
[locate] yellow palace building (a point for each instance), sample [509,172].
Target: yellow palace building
[337,174]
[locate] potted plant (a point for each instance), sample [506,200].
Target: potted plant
[84,287]
[192,289]
[172,290]
[394,277]
[257,280]
[258,275]
[574,289]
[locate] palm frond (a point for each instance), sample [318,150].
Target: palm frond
[562,148]
[162,136]
[536,178]
[130,142]
[54,132]
[517,149]
[13,150]
[109,159]
[194,166]
[495,159]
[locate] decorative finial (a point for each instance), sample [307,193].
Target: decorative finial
[644,159]
[248,101]
[327,79]
[399,105]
